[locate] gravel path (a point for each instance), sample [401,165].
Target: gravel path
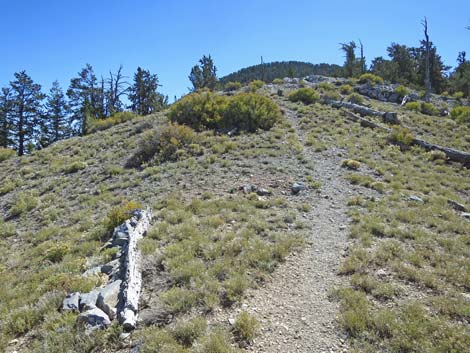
[293,307]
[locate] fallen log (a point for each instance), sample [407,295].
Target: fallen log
[132,280]
[451,153]
[388,117]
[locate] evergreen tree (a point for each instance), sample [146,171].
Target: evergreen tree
[85,99]
[143,93]
[350,62]
[204,75]
[26,112]
[5,117]
[460,78]
[55,125]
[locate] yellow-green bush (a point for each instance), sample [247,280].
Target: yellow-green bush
[256,85]
[278,81]
[246,327]
[168,143]
[402,91]
[200,110]
[6,153]
[249,112]
[346,89]
[355,98]
[371,78]
[351,164]
[245,111]
[118,215]
[103,124]
[461,114]
[23,203]
[232,86]
[429,109]
[401,136]
[304,95]
[413,106]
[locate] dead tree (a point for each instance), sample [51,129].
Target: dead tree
[427,78]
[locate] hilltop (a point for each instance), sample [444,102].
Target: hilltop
[308,233]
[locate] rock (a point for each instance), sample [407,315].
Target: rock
[70,303]
[111,267]
[108,298]
[92,271]
[93,319]
[381,272]
[88,300]
[248,188]
[415,198]
[465,215]
[263,192]
[121,237]
[155,316]
[297,187]
[280,93]
[457,206]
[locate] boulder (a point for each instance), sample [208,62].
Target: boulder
[457,206]
[93,319]
[108,298]
[70,303]
[263,192]
[297,187]
[121,236]
[88,300]
[415,198]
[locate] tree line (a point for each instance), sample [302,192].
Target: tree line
[420,67]
[31,119]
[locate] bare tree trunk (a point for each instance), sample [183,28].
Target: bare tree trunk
[363,59]
[427,79]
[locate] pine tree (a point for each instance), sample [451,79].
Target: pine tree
[26,113]
[143,93]
[5,117]
[85,99]
[55,125]
[350,62]
[204,75]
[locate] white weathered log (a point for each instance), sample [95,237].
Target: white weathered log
[137,226]
[387,117]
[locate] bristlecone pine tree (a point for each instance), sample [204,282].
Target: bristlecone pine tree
[143,93]
[204,75]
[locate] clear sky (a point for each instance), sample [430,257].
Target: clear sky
[53,39]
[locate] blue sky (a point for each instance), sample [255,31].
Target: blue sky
[54,39]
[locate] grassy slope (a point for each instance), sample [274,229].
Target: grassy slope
[417,302]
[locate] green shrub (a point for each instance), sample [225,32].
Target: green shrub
[326,86]
[250,111]
[304,95]
[74,167]
[461,114]
[246,327]
[6,153]
[429,109]
[401,136]
[278,81]
[413,106]
[458,95]
[23,203]
[94,125]
[346,89]
[351,164]
[199,110]
[245,111]
[186,332]
[402,91]
[330,96]
[118,215]
[371,78]
[232,86]
[217,342]
[355,98]
[57,252]
[256,85]
[168,143]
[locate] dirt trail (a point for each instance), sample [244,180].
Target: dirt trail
[293,307]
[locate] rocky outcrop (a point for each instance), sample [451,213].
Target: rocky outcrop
[388,117]
[383,93]
[119,298]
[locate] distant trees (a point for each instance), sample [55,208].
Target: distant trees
[84,99]
[204,75]
[350,63]
[55,124]
[143,93]
[25,111]
[460,79]
[5,118]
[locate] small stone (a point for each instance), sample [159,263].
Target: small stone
[263,192]
[88,300]
[415,198]
[297,187]
[465,215]
[248,188]
[70,303]
[381,272]
[108,298]
[231,321]
[94,318]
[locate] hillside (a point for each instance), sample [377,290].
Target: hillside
[371,255]
[270,71]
